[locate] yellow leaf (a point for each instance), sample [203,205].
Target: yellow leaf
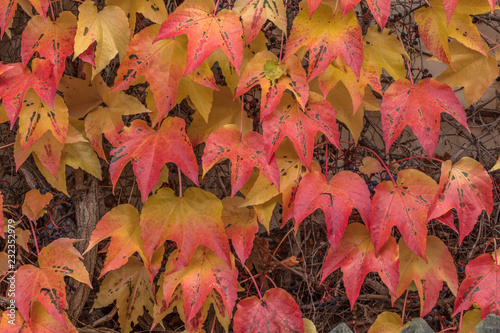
[370,165]
[152,9]
[473,71]
[387,322]
[496,166]
[108,27]
[384,50]
[34,204]
[37,117]
[309,326]
[470,320]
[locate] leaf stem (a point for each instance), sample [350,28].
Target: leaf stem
[415,157]
[34,237]
[254,282]
[281,48]
[180,182]
[404,309]
[216,6]
[409,72]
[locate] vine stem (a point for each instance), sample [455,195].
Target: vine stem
[34,237]
[281,48]
[180,182]
[460,321]
[241,119]
[383,163]
[7,145]
[415,157]
[253,280]
[409,72]
[404,309]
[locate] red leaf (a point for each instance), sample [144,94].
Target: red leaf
[481,285]
[206,32]
[52,40]
[466,187]
[420,108]
[449,7]
[300,125]
[277,311]
[244,153]
[15,82]
[204,273]
[162,64]
[240,224]
[405,206]
[274,78]
[46,283]
[190,221]
[336,198]
[327,36]
[427,276]
[150,150]
[8,8]
[356,257]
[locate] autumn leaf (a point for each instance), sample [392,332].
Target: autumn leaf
[470,320]
[427,276]
[147,149]
[405,205]
[339,72]
[162,64]
[496,166]
[37,117]
[336,198]
[109,28]
[466,187]
[434,28]
[225,110]
[387,322]
[129,286]
[53,40]
[41,322]
[355,255]
[206,32]
[121,224]
[204,272]
[152,9]
[46,282]
[191,220]
[384,50]
[244,153]
[274,78]
[473,71]
[300,125]
[34,204]
[480,285]
[240,224]
[370,165]
[420,108]
[327,36]
[277,311]
[16,81]
[254,14]
[108,120]
[47,149]
[8,8]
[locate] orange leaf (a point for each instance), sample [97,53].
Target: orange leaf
[121,224]
[277,311]
[46,283]
[244,153]
[327,36]
[355,255]
[206,32]
[336,198]
[240,224]
[34,204]
[149,150]
[162,64]
[420,108]
[466,187]
[204,272]
[53,40]
[427,276]
[274,78]
[191,220]
[300,125]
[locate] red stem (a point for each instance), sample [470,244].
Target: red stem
[383,163]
